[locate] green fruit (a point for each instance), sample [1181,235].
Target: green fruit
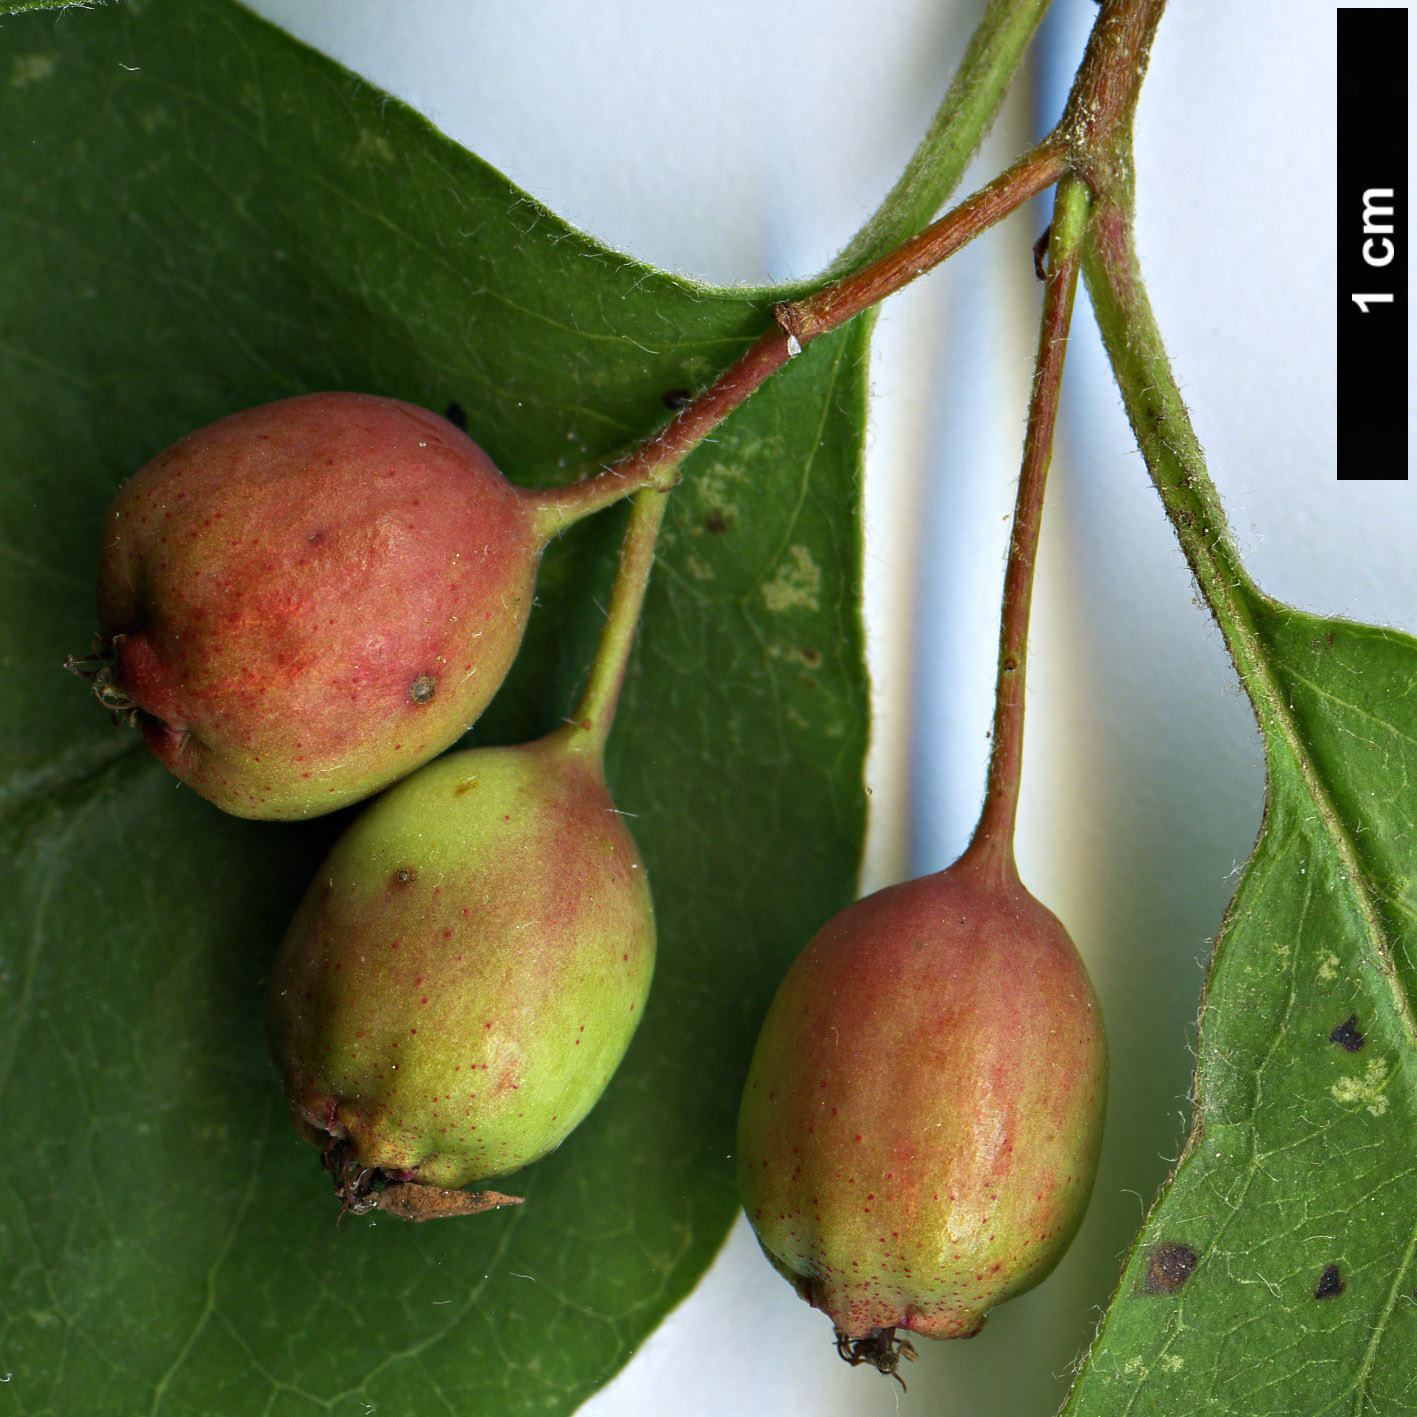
[922,1118]
[466,970]
[303,602]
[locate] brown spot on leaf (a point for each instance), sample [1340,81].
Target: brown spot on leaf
[716,523]
[1348,1035]
[1331,1283]
[1169,1265]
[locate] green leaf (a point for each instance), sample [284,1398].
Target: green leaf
[197,214]
[1278,1273]
[1275,1274]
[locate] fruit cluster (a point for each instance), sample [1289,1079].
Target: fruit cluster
[300,606]
[306,604]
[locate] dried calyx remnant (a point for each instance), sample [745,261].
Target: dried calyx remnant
[881,1350]
[98,670]
[365,1188]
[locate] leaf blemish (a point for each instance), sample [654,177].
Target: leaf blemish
[1331,1283]
[1348,1035]
[1169,1265]
[796,584]
[30,69]
[1367,1089]
[372,148]
[715,487]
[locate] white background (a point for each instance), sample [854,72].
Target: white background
[742,141]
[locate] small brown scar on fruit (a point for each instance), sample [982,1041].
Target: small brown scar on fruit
[423,688]
[882,1350]
[1348,1035]
[1331,1283]
[466,785]
[355,1185]
[456,414]
[1169,1265]
[404,876]
[315,538]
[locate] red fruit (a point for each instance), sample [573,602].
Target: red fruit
[921,1123]
[305,601]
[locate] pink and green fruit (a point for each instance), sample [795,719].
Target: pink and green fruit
[303,602]
[467,969]
[921,1124]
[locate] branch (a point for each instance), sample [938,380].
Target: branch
[800,322]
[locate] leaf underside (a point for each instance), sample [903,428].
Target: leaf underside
[197,214]
[1277,1274]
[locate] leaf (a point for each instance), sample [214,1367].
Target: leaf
[1277,1274]
[197,214]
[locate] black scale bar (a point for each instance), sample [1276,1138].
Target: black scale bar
[1372,244]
